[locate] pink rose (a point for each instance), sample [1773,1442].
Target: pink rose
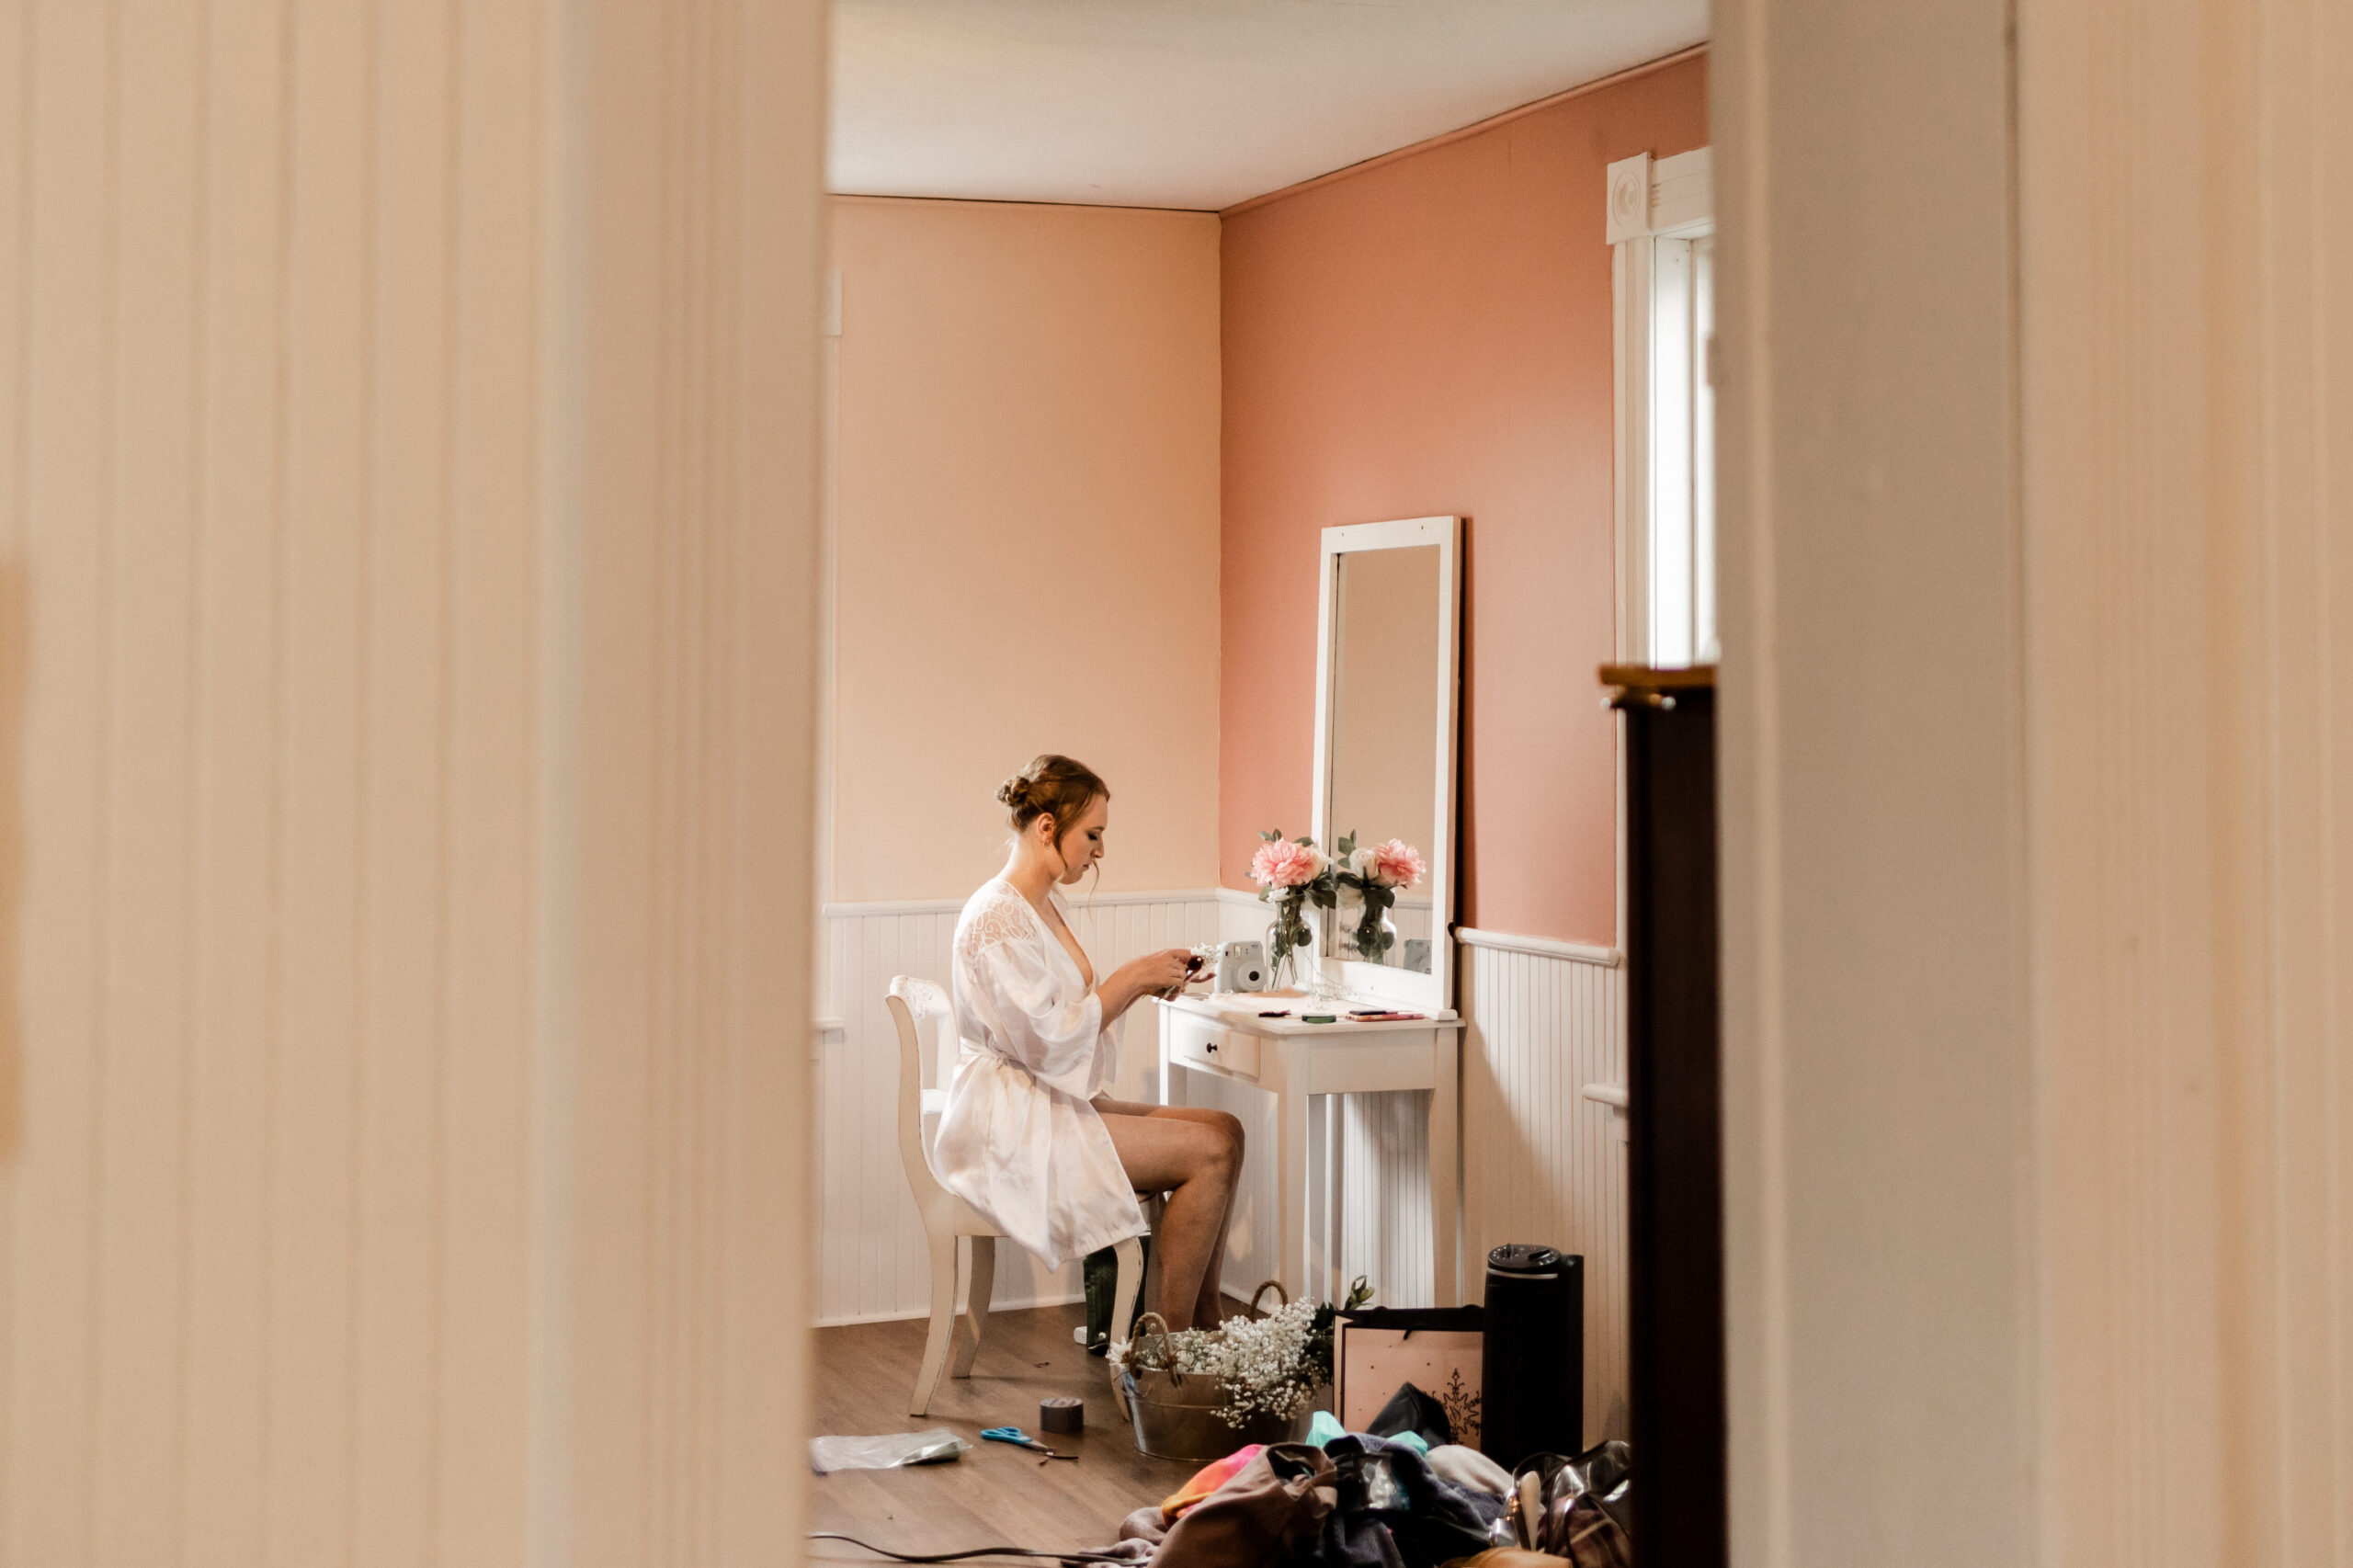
[1397,864]
[1282,864]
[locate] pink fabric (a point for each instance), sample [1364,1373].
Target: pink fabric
[1212,1476]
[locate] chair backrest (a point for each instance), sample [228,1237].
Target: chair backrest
[926,1034]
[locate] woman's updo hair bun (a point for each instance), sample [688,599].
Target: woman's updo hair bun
[1056,786]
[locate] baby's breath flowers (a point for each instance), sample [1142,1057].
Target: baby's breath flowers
[1270,1366]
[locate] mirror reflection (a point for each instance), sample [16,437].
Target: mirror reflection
[1384,753]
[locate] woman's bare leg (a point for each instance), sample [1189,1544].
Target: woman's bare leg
[1209,1308]
[1195,1157]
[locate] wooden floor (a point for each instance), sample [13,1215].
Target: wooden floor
[996,1495]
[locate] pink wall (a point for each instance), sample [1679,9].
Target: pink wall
[1026,533]
[1433,336]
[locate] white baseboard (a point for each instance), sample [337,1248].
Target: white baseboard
[1069,1301]
[921,1313]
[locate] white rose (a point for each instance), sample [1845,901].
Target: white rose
[1361,862]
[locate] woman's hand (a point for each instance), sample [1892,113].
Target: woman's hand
[1163,974]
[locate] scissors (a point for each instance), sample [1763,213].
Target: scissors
[1021,1439]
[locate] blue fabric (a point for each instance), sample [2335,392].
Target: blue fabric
[1325,1427]
[1391,1502]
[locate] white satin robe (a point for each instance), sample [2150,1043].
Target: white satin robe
[1020,1141]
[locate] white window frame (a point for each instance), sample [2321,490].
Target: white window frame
[1653,205]
[1657,208]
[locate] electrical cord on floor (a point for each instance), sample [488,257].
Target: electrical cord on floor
[975,1551]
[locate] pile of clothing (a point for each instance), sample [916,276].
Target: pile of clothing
[1402,1495]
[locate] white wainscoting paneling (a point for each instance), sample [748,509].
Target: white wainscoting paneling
[1386,1187]
[1542,1162]
[872,1261]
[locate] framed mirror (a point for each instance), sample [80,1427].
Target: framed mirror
[1386,693]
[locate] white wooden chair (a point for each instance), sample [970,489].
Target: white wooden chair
[928,1045]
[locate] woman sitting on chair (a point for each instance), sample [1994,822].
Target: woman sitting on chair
[1029,1137]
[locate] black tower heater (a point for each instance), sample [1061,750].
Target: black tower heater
[1532,1392]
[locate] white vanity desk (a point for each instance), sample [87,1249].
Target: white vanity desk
[1387,698]
[1221,1035]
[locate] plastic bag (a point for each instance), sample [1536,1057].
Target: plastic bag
[934,1445]
[1579,1508]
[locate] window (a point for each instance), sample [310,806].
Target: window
[1661,225]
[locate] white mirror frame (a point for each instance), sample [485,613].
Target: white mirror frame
[1432,992]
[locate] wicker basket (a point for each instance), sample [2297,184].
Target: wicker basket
[1176,1414]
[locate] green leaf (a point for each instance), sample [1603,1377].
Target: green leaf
[1270,838]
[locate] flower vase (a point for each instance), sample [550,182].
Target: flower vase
[1290,943]
[1367,934]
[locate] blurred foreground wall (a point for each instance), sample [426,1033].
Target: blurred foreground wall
[405,500]
[2037,692]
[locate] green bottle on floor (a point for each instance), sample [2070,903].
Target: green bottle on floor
[1102,1275]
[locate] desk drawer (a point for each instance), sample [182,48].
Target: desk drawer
[1203,1043]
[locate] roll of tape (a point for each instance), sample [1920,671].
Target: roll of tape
[1061,1414]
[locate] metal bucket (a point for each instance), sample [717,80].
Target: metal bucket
[1176,1414]
[1176,1417]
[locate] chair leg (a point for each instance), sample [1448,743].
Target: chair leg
[1129,1254]
[943,1322]
[1154,1208]
[976,1306]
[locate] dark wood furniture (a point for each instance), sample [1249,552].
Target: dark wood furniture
[1675,1163]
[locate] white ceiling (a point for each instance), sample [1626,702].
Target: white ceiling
[1195,103]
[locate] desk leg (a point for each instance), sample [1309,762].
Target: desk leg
[1446,1168]
[1335,1176]
[1172,1079]
[1291,1152]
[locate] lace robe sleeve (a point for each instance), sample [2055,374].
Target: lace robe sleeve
[1032,1010]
